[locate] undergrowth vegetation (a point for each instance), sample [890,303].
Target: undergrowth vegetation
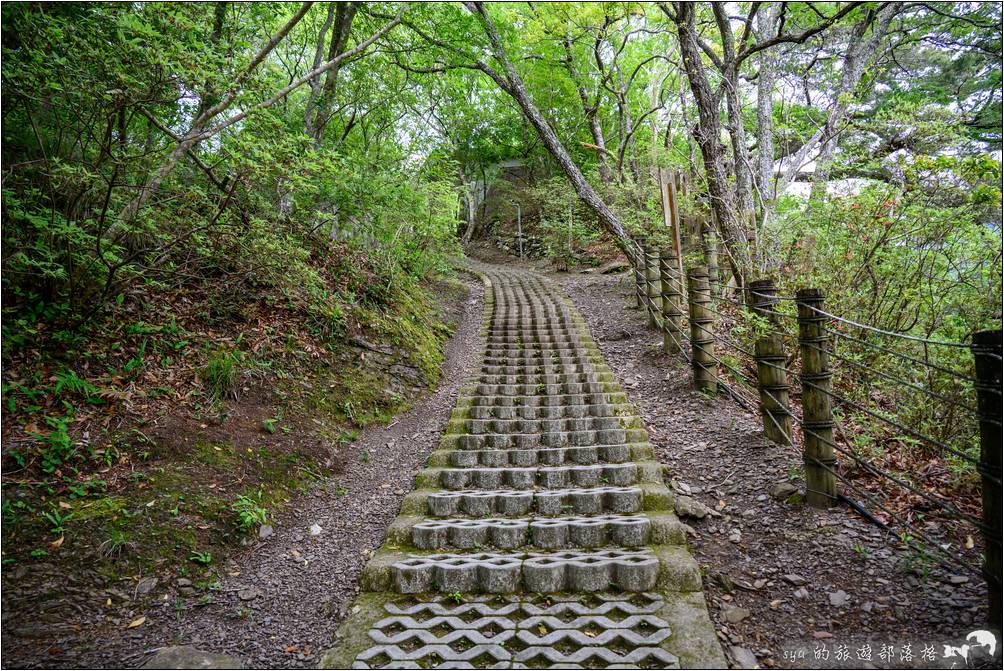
[170,318]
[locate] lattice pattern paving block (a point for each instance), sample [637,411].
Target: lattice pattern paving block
[556,533]
[549,503]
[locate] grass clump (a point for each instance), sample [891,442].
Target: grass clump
[219,375]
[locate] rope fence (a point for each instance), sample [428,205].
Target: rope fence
[867,385]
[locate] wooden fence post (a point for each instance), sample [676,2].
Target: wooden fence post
[986,349]
[817,409]
[653,285]
[672,299]
[702,340]
[710,246]
[638,261]
[772,379]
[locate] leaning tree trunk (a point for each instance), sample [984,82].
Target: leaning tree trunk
[707,133]
[510,82]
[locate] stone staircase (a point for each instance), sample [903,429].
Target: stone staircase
[541,533]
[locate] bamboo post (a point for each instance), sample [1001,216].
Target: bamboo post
[772,379]
[653,285]
[986,349]
[817,410]
[702,341]
[672,299]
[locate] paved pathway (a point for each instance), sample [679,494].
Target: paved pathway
[541,533]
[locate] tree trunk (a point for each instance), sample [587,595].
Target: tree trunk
[860,51]
[345,12]
[707,133]
[511,83]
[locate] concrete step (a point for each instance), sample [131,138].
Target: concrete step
[539,400]
[487,389]
[520,425]
[569,411]
[543,502]
[545,533]
[527,441]
[547,456]
[543,477]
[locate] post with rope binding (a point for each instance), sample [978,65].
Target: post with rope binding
[772,379]
[710,247]
[702,340]
[638,263]
[986,349]
[653,285]
[672,299]
[817,409]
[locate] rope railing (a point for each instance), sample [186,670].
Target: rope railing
[855,377]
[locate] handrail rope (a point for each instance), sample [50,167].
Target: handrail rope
[737,372]
[878,471]
[975,413]
[874,329]
[977,523]
[906,357]
[933,441]
[907,525]
[906,383]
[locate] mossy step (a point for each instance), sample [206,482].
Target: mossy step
[540,477]
[435,502]
[527,441]
[470,399]
[546,456]
[569,411]
[517,425]
[565,388]
[666,568]
[581,531]
[385,629]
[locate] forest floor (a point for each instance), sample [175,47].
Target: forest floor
[276,601]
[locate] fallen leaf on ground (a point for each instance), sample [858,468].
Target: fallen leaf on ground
[822,634]
[137,622]
[56,543]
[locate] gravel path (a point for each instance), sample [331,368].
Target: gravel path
[778,577]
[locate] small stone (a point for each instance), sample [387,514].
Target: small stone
[795,580]
[399,492]
[839,598]
[315,529]
[187,657]
[735,615]
[146,585]
[184,582]
[759,582]
[744,657]
[761,499]
[782,490]
[265,531]
[725,582]
[248,594]
[958,579]
[691,507]
[801,593]
[735,536]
